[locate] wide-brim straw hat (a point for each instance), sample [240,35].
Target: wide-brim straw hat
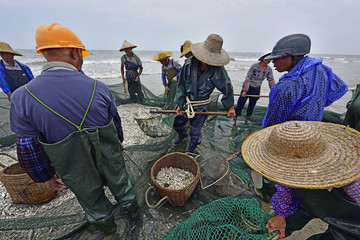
[186,48]
[161,56]
[126,45]
[210,51]
[4,47]
[305,154]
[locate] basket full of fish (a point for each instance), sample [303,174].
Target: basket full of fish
[174,178]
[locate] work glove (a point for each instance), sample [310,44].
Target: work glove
[167,89]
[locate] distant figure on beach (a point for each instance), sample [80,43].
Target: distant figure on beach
[201,74]
[68,126]
[252,86]
[134,69]
[301,94]
[185,49]
[13,74]
[170,72]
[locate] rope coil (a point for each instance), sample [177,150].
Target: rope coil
[190,113]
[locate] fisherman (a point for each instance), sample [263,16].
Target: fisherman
[317,169]
[132,64]
[301,94]
[185,49]
[68,125]
[252,85]
[13,74]
[170,72]
[201,74]
[308,87]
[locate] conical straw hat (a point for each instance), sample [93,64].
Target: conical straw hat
[4,47]
[210,51]
[126,45]
[161,56]
[305,154]
[186,48]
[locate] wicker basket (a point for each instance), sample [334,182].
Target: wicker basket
[22,188]
[177,160]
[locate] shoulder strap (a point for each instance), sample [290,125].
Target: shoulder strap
[78,127]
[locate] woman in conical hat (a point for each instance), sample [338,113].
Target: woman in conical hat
[13,74]
[134,68]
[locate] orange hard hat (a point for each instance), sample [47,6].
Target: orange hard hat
[55,35]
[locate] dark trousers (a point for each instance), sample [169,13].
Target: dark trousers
[335,208]
[135,88]
[252,102]
[196,124]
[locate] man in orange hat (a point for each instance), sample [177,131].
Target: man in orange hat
[68,125]
[13,74]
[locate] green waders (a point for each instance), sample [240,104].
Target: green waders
[170,96]
[87,160]
[335,208]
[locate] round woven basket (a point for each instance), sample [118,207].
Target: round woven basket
[22,188]
[176,160]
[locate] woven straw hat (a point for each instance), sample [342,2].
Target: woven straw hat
[186,48]
[161,56]
[126,45]
[210,51]
[304,154]
[4,47]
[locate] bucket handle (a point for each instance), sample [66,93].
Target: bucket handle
[193,155]
[157,204]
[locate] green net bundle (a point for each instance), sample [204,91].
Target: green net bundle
[226,218]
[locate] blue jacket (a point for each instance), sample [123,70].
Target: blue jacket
[3,81]
[303,92]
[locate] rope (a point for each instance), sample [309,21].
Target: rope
[190,113]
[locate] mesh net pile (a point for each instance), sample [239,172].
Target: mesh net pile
[226,218]
[220,137]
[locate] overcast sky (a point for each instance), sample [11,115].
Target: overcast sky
[245,25]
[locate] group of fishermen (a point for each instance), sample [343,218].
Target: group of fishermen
[68,125]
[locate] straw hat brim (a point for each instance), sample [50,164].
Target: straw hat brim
[210,58]
[187,50]
[11,51]
[337,166]
[123,49]
[159,57]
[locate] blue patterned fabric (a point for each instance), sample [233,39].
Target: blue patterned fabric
[303,93]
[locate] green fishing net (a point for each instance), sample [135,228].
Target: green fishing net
[219,137]
[226,218]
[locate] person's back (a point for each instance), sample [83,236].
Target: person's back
[70,98]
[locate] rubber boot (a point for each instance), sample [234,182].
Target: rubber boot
[180,139]
[192,147]
[247,119]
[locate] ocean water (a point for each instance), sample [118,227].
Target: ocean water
[104,65]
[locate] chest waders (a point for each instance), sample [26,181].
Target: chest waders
[87,160]
[336,208]
[170,96]
[133,86]
[15,78]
